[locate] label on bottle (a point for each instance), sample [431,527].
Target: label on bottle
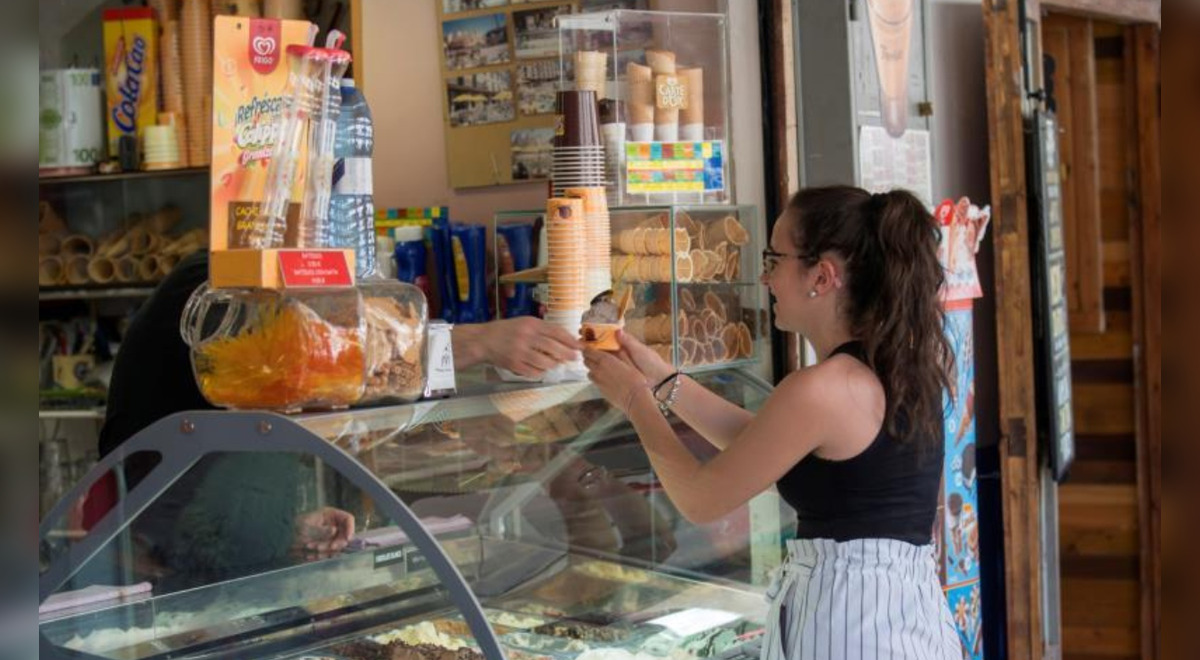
[357,178]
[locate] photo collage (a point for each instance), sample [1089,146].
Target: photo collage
[501,67]
[501,63]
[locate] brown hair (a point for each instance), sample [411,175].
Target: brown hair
[893,279]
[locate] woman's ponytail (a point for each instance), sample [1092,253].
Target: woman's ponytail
[889,241]
[905,329]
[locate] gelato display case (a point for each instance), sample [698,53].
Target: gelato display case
[662,83]
[694,271]
[509,521]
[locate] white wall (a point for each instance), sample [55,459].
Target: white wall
[401,77]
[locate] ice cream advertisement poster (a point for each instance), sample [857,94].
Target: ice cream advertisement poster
[967,611]
[961,522]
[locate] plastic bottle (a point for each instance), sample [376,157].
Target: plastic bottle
[352,206]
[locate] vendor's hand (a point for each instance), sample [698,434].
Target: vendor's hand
[322,533]
[527,346]
[652,366]
[616,377]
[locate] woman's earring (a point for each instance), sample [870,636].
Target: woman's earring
[812,294]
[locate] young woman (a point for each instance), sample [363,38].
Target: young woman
[854,444]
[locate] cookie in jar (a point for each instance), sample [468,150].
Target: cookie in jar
[396,316]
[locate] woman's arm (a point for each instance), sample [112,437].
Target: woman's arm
[716,419]
[766,448]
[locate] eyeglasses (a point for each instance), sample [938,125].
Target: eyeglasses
[771,259]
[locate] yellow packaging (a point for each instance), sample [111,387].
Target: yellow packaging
[130,72]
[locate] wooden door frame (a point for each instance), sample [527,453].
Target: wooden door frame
[1008,105]
[1143,40]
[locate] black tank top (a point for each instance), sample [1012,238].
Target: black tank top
[888,491]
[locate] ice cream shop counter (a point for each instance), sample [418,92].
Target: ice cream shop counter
[506,522]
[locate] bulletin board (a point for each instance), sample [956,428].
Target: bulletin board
[500,71]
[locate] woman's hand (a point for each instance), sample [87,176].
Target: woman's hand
[653,367]
[616,377]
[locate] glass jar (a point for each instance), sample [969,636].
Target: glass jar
[396,316]
[259,349]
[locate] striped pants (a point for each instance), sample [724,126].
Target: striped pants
[867,599]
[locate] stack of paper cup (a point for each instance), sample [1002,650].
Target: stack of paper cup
[597,238]
[567,267]
[160,150]
[578,150]
[195,48]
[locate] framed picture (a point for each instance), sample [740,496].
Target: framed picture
[532,153]
[537,84]
[459,6]
[480,98]
[479,41]
[535,33]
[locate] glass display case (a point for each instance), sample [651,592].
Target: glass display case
[510,521]
[695,272]
[662,80]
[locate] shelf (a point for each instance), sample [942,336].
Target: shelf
[87,413]
[123,176]
[95,293]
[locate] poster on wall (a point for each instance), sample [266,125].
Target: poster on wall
[500,72]
[887,162]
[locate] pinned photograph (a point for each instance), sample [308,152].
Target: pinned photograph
[537,83]
[532,153]
[473,42]
[535,32]
[457,6]
[480,98]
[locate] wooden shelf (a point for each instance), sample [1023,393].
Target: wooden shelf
[122,176]
[96,293]
[67,413]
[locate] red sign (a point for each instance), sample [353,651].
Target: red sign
[314,268]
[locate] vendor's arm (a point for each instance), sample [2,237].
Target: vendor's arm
[524,345]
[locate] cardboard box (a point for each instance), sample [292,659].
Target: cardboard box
[130,72]
[250,80]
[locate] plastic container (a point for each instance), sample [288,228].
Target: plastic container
[397,328]
[258,349]
[352,207]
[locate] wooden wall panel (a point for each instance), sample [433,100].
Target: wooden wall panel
[1069,42]
[1099,522]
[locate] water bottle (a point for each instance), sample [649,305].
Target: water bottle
[352,207]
